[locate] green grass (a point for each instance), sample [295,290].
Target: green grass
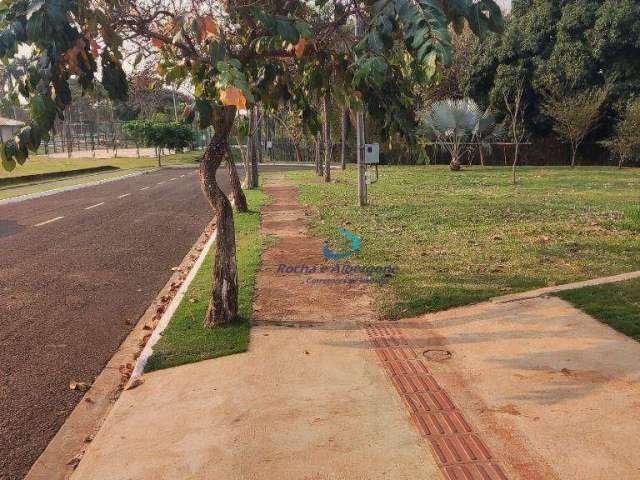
[616,304]
[42,164]
[186,340]
[461,238]
[27,188]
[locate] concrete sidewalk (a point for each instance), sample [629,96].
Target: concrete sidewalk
[302,404]
[553,392]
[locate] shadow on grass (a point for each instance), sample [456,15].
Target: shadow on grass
[186,340]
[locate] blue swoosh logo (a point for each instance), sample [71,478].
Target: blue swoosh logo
[356,244]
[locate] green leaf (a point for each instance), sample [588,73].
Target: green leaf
[204,109]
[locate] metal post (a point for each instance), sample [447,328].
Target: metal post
[360,135]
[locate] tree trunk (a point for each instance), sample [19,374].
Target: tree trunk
[239,199]
[69,142]
[223,306]
[343,139]
[298,153]
[248,171]
[251,175]
[574,150]
[318,163]
[159,153]
[481,156]
[327,140]
[515,162]
[258,140]
[455,164]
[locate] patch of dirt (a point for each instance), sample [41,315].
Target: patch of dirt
[321,296]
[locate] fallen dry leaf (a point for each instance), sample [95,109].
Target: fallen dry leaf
[135,383]
[79,386]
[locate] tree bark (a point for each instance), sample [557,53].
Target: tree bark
[327,140]
[481,156]
[318,162]
[223,306]
[343,139]
[515,162]
[239,199]
[455,164]
[251,174]
[248,171]
[574,150]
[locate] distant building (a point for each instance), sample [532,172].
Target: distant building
[9,128]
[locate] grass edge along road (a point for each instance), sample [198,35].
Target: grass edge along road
[42,164]
[465,237]
[616,304]
[186,340]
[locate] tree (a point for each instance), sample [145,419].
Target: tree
[626,142]
[234,53]
[514,103]
[575,116]
[451,124]
[579,44]
[160,135]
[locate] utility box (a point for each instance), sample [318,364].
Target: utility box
[372,154]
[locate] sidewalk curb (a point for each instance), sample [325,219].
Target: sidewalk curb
[138,370]
[62,455]
[568,286]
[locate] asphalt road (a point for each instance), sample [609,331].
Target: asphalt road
[77,269]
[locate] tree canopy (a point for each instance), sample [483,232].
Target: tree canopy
[555,45]
[232,52]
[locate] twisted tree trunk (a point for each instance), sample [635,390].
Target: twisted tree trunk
[239,199]
[223,306]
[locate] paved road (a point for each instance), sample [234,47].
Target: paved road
[77,269]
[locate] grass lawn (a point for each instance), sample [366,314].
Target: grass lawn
[461,238]
[616,304]
[42,164]
[186,340]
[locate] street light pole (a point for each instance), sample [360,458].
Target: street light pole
[360,135]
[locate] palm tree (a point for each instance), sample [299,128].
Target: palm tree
[451,125]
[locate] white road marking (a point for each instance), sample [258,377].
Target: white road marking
[171,179]
[94,206]
[160,183]
[48,221]
[125,195]
[145,188]
[181,176]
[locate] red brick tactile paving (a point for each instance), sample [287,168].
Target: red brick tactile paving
[460,453]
